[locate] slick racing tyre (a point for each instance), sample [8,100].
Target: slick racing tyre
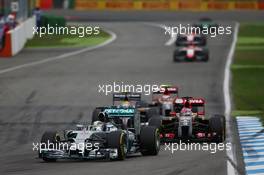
[223,119]
[155,121]
[154,111]
[203,55]
[203,41]
[142,104]
[149,141]
[50,139]
[118,140]
[217,128]
[206,55]
[177,56]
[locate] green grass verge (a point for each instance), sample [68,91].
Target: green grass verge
[55,41]
[248,71]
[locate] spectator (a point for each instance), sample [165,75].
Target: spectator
[11,21]
[4,28]
[38,13]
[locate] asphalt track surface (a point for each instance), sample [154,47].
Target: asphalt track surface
[57,94]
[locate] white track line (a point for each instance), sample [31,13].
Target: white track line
[247,117]
[253,154]
[230,153]
[245,131]
[249,128]
[172,40]
[251,138]
[243,119]
[255,167]
[242,136]
[248,122]
[254,160]
[253,144]
[250,141]
[35,63]
[173,37]
[253,148]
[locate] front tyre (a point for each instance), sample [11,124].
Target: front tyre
[118,140]
[177,57]
[49,140]
[217,128]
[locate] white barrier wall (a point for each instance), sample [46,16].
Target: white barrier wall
[21,34]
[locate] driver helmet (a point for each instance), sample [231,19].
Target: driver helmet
[11,18]
[98,125]
[186,111]
[187,104]
[125,104]
[166,91]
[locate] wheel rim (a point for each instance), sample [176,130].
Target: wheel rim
[157,140]
[123,146]
[57,138]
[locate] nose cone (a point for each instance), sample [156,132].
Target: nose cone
[190,53]
[167,105]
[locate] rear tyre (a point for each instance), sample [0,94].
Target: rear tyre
[203,41]
[50,139]
[223,119]
[206,55]
[150,141]
[117,140]
[151,112]
[175,56]
[155,121]
[217,128]
[206,59]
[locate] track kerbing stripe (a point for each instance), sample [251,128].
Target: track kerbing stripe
[252,146]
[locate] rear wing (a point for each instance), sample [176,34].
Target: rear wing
[170,89]
[197,104]
[126,96]
[193,101]
[119,112]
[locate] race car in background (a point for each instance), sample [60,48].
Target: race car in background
[164,99]
[190,39]
[189,123]
[130,99]
[191,53]
[206,22]
[118,133]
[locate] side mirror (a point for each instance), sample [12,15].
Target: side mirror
[102,116]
